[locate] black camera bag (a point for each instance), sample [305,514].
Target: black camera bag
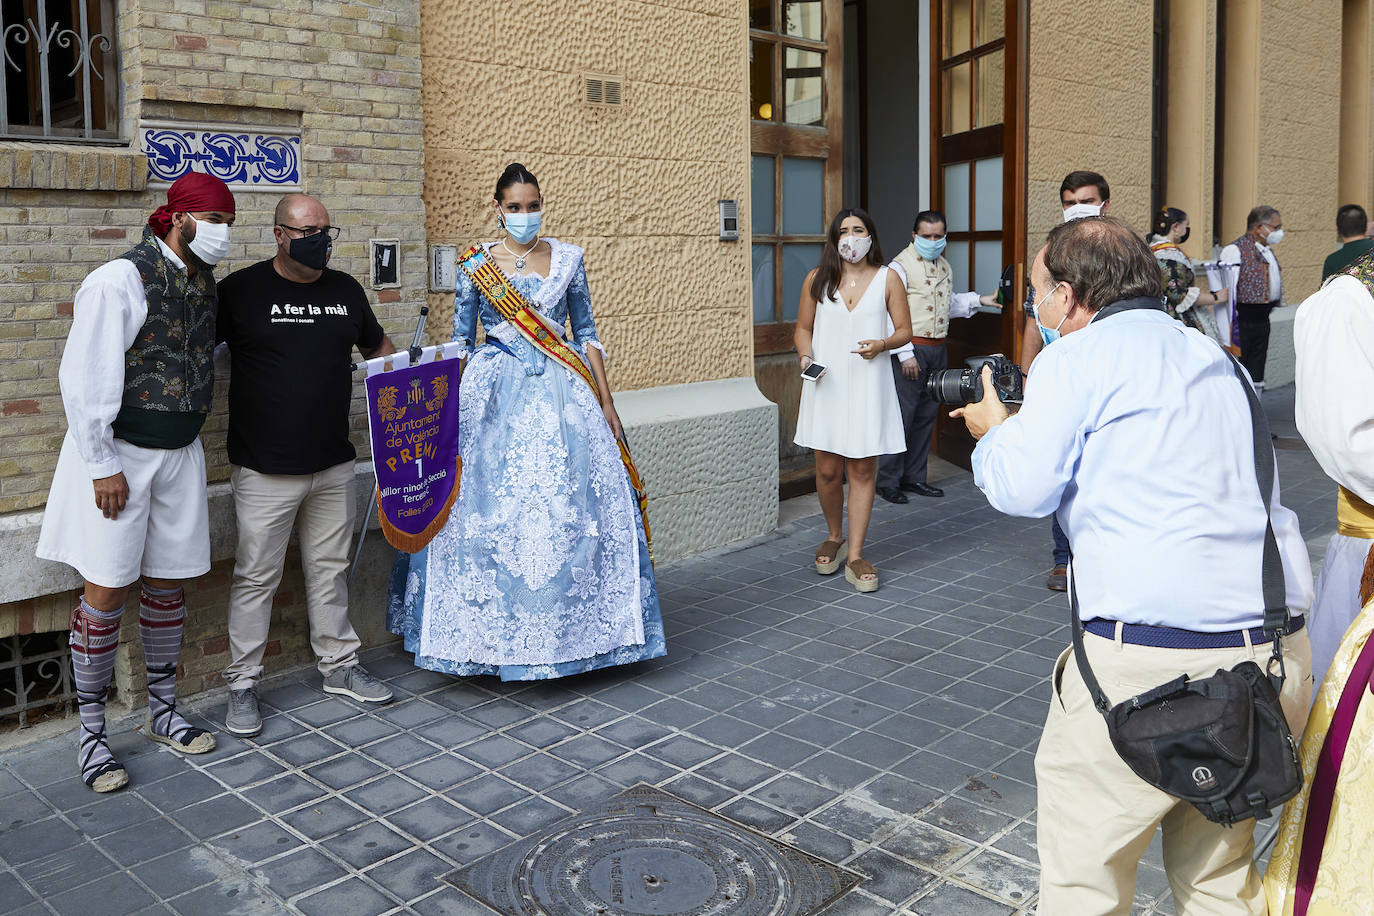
[1220,743]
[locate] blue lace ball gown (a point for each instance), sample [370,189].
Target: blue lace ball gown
[543,568]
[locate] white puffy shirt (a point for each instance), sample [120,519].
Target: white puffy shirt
[109,310]
[1334,336]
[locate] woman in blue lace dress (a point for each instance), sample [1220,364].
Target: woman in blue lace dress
[543,569]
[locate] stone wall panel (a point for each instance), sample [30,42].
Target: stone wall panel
[1084,114]
[635,184]
[1299,131]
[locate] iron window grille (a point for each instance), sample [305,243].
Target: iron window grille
[58,79]
[35,679]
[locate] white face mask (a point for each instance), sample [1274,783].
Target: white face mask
[211,243]
[1078,211]
[854,248]
[1275,237]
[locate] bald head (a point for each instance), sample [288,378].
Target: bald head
[304,239]
[300,210]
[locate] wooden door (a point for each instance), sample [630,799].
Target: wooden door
[795,188]
[978,172]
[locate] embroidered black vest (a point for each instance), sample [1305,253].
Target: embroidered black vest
[169,372]
[1362,269]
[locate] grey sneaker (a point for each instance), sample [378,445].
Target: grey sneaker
[355,682]
[243,719]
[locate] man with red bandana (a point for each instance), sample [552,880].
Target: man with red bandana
[128,497]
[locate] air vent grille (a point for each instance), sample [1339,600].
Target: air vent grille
[603,91]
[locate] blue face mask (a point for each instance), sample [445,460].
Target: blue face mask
[522,227]
[930,249]
[1047,335]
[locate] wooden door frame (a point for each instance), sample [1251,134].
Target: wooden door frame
[1010,136]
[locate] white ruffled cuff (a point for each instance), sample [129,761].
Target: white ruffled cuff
[595,343]
[1189,300]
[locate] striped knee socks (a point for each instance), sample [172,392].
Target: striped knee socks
[161,616]
[94,638]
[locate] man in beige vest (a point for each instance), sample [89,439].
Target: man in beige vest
[929,290]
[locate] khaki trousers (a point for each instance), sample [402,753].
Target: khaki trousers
[1095,817]
[267,506]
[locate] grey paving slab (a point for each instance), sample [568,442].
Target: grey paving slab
[366,844]
[352,897]
[301,871]
[257,842]
[112,895]
[325,818]
[430,818]
[284,792]
[237,895]
[63,870]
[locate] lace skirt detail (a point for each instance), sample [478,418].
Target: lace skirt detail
[542,570]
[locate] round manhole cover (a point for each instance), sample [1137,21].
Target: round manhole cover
[646,853]
[652,880]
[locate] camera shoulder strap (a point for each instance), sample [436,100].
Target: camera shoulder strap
[1275,594]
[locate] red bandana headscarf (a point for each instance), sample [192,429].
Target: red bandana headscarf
[194,192]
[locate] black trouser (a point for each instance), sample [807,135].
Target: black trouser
[918,418]
[1252,331]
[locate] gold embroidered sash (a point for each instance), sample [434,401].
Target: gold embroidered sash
[497,289]
[1354,516]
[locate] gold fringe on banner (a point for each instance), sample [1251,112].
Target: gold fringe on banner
[412,543]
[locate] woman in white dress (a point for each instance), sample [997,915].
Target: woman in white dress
[849,415]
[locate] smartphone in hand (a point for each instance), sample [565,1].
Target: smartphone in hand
[813,372]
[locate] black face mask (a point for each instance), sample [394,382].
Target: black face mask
[311,251]
[1184,237]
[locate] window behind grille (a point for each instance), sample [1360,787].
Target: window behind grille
[58,77]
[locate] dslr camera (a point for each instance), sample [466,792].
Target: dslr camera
[957,387]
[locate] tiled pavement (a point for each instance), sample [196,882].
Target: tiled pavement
[892,733]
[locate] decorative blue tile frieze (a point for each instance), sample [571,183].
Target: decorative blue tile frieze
[245,157]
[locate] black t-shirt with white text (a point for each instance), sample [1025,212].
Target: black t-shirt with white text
[290,383]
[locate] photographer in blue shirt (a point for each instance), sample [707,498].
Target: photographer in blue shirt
[1166,566]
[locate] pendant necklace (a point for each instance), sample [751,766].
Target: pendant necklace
[519,258]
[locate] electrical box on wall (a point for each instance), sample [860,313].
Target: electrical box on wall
[729,220]
[443,268]
[386,262]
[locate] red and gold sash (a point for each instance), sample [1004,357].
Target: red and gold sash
[497,289]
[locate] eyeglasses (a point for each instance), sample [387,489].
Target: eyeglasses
[307,231]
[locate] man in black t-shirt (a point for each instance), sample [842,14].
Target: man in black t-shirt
[291,324]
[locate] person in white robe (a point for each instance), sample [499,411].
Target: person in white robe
[1334,337]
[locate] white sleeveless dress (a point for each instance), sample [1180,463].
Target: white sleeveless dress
[852,410]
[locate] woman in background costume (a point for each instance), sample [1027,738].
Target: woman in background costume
[1184,301]
[543,569]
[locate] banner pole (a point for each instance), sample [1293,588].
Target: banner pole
[372,501]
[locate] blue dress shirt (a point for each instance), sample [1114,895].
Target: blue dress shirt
[1137,434]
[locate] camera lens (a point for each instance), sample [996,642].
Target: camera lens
[954,387]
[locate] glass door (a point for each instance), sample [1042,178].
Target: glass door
[795,186]
[978,172]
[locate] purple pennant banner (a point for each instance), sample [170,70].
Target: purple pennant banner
[413,416]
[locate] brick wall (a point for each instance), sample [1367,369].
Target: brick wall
[347,75]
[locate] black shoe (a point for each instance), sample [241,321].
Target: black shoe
[923,489]
[893,495]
